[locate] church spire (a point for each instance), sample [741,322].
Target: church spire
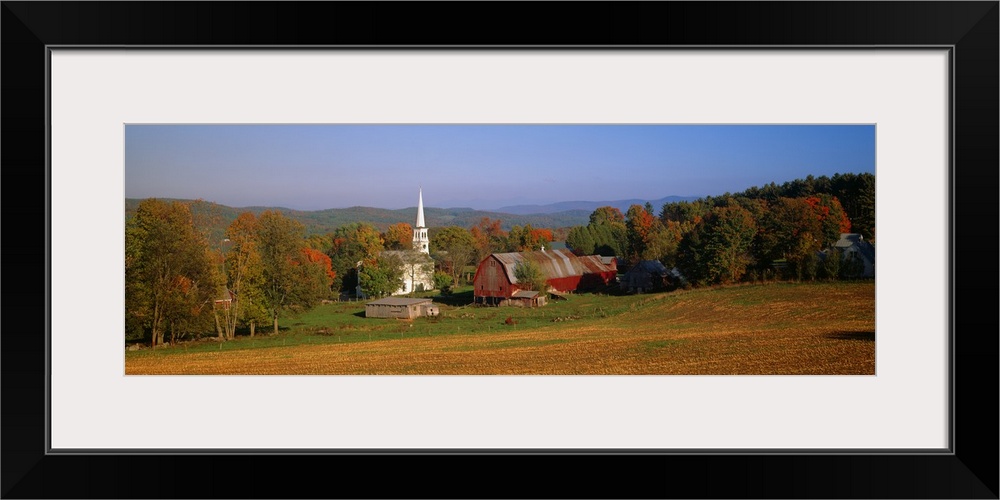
[420,209]
[420,240]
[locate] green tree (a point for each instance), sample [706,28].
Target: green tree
[456,248]
[443,282]
[530,276]
[718,249]
[415,265]
[381,277]
[730,234]
[280,240]
[580,240]
[607,229]
[170,277]
[829,267]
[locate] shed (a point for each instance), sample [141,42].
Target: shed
[527,298]
[398,307]
[495,282]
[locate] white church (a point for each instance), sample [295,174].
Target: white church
[418,267]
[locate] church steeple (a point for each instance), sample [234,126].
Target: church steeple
[420,240]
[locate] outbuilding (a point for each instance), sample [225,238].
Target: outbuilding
[646,276]
[402,308]
[527,298]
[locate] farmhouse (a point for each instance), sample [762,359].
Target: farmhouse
[854,247]
[402,308]
[496,284]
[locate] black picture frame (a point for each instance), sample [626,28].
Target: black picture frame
[969,28]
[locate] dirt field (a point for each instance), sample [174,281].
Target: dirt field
[759,329]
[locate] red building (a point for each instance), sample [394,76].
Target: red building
[495,282]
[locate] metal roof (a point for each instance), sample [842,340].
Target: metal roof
[648,266]
[554,263]
[397,301]
[524,294]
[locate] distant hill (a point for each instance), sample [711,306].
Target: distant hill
[325,221]
[590,206]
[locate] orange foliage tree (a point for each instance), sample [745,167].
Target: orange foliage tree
[398,237]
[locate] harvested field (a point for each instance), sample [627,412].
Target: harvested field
[821,328]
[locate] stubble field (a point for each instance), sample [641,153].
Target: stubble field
[815,328]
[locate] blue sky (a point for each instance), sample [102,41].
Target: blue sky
[315,167]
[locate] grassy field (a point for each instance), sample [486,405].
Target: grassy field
[809,328]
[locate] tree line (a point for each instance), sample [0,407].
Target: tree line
[774,231]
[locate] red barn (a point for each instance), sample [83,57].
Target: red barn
[495,282]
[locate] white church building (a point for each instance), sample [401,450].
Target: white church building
[418,267]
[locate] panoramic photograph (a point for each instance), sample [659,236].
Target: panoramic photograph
[478,249]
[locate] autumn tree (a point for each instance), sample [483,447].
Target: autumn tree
[244,273]
[398,237]
[527,238]
[353,244]
[640,225]
[831,215]
[170,277]
[489,237]
[607,215]
[316,277]
[290,281]
[792,232]
[454,246]
[537,238]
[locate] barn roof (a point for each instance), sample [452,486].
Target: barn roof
[524,294]
[554,263]
[398,301]
[648,266]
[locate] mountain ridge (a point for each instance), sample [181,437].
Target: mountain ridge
[554,215]
[219,216]
[590,206]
